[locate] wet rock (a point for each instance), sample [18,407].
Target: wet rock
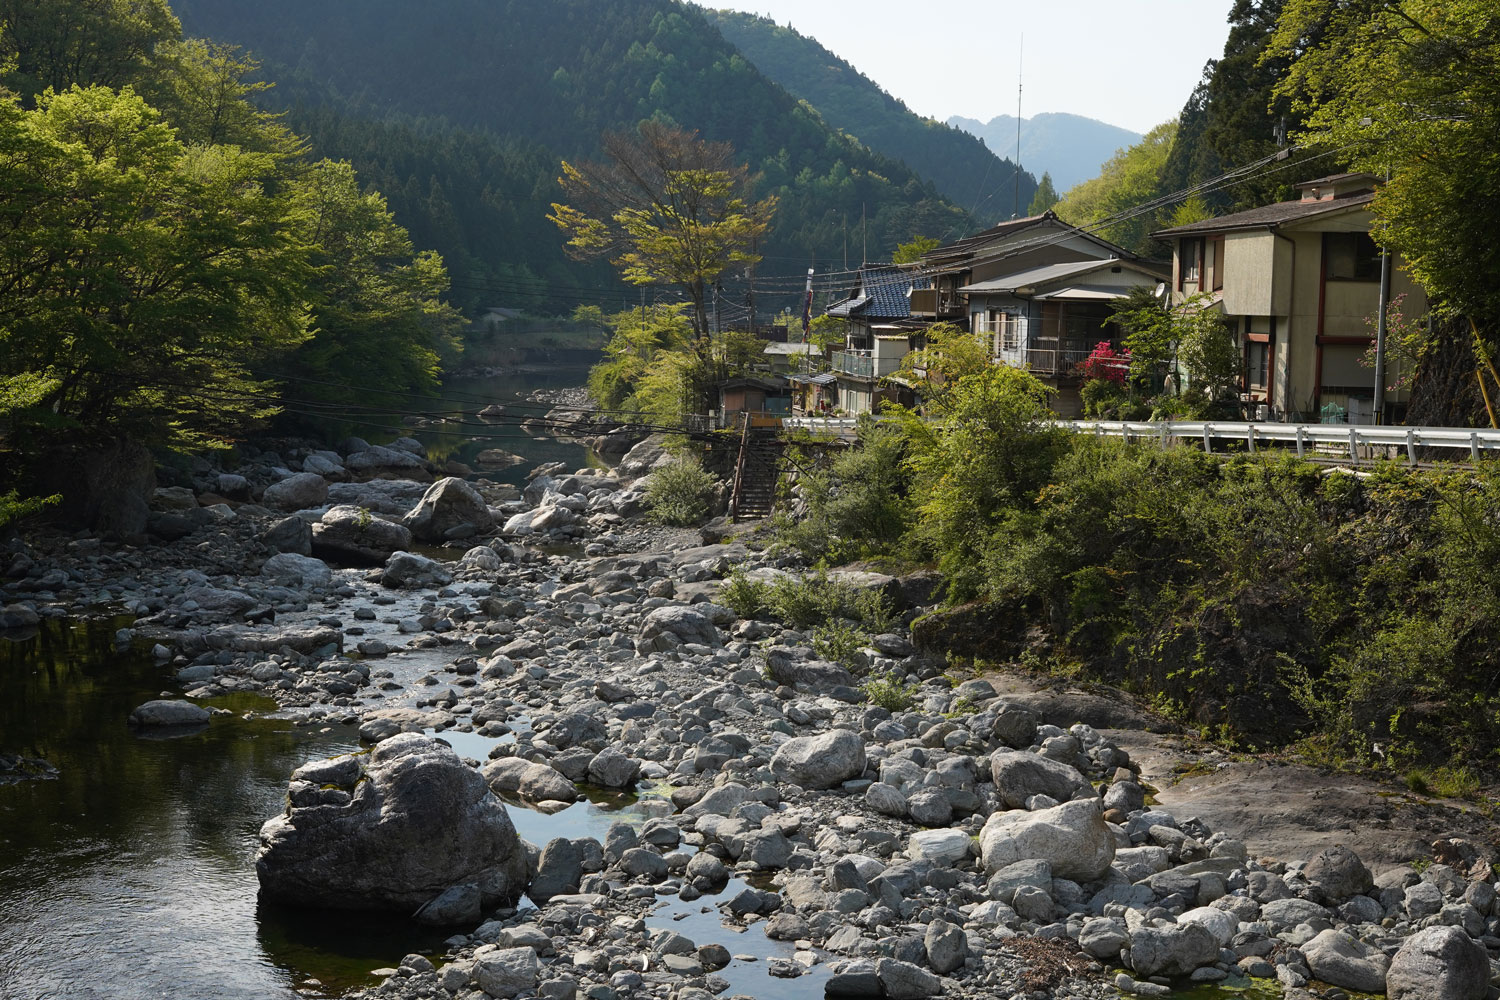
[820,761]
[169,713]
[18,616]
[1438,962]
[418,821]
[1073,838]
[352,533]
[448,506]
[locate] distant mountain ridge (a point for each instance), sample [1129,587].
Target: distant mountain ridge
[1071,148]
[960,166]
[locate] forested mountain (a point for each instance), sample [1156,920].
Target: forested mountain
[543,81]
[954,160]
[1069,147]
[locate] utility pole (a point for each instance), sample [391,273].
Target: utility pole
[1015,209]
[1385,298]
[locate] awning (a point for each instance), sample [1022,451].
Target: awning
[1083,293]
[822,378]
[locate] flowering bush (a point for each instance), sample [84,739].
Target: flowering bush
[1104,362]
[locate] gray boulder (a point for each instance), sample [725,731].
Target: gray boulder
[645,457]
[377,459]
[1015,726]
[506,972]
[558,871]
[947,946]
[293,570]
[169,713]
[1073,838]
[612,769]
[1338,873]
[296,492]
[449,507]
[682,623]
[1172,951]
[352,533]
[1341,960]
[905,981]
[390,830]
[529,780]
[823,761]
[1438,962]
[1019,776]
[290,534]
[407,569]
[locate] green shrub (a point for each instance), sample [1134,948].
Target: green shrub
[856,504]
[745,597]
[839,642]
[680,493]
[890,692]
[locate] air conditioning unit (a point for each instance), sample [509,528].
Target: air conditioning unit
[1263,412]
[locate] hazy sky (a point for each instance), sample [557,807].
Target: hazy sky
[1127,62]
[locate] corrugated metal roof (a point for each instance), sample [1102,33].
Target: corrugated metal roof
[822,378]
[1040,275]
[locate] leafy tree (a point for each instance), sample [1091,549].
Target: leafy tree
[639,336]
[210,94]
[377,306]
[1131,179]
[949,354]
[143,300]
[1167,342]
[828,331]
[1046,196]
[54,44]
[667,207]
[911,252]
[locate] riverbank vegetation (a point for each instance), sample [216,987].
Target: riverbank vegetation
[1261,598]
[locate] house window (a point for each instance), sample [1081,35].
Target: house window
[1216,261]
[1010,332]
[1189,262]
[1350,257]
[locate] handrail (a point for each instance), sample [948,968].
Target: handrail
[739,469]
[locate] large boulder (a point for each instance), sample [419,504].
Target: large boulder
[375,460]
[824,761]
[649,455]
[682,623]
[506,972]
[292,570]
[1341,960]
[1338,873]
[529,780]
[450,508]
[352,533]
[1438,962]
[296,492]
[169,713]
[1019,776]
[407,569]
[390,830]
[1172,951]
[785,666]
[1073,838]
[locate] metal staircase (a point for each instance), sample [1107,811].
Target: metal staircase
[756,472]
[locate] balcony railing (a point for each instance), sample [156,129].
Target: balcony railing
[854,363]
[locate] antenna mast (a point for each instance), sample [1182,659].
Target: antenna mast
[1015,210]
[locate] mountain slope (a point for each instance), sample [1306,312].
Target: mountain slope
[955,161]
[1069,147]
[556,75]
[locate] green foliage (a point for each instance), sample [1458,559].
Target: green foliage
[858,505]
[910,253]
[948,354]
[1187,342]
[839,642]
[1045,198]
[890,692]
[1411,87]
[680,493]
[55,44]
[1130,179]
[747,598]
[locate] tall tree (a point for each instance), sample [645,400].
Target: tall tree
[57,43]
[668,207]
[1046,196]
[1412,87]
[1112,201]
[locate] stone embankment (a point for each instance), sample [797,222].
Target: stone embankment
[973,841]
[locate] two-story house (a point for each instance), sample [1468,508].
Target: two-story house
[1039,291]
[1299,282]
[881,332]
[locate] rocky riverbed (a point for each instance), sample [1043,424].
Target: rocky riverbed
[992,838]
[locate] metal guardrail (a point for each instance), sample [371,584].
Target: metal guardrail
[1354,443]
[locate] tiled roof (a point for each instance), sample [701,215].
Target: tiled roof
[1278,214]
[884,293]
